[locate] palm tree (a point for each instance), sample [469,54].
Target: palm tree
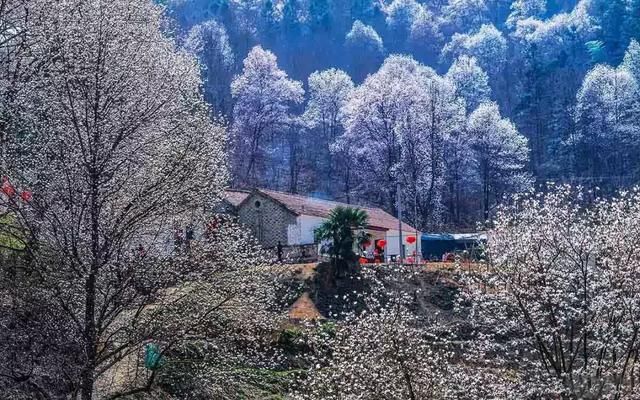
[342,229]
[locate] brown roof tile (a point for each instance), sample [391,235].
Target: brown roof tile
[235,197]
[303,205]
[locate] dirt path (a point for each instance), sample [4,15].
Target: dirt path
[304,309]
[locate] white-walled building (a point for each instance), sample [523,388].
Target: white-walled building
[291,219]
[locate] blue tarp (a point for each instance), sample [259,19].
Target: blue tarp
[435,245]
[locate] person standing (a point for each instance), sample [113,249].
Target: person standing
[188,239]
[279,250]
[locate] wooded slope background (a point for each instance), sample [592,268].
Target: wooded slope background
[562,73]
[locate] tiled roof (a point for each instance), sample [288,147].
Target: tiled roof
[235,197]
[303,205]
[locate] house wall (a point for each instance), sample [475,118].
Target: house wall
[272,222]
[392,243]
[306,224]
[269,223]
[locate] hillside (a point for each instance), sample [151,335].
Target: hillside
[563,72]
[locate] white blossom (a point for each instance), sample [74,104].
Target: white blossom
[263,95]
[397,122]
[500,154]
[559,300]
[471,82]
[487,45]
[365,38]
[110,209]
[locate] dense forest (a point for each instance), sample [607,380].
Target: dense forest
[460,103]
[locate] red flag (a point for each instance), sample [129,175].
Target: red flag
[7,188]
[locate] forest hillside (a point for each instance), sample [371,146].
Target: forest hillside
[462,102]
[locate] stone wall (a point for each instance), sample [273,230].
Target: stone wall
[269,221]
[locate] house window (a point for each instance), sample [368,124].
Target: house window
[257,204]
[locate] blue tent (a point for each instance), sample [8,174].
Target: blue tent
[435,245]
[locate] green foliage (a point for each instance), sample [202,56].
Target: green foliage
[328,329]
[292,340]
[11,238]
[191,372]
[342,230]
[152,356]
[265,384]
[595,48]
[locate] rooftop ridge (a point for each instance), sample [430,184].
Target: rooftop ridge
[307,197]
[308,205]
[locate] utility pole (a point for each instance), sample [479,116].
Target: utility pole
[399,201]
[415,226]
[3,149]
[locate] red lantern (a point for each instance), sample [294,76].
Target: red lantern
[26,196]
[7,188]
[411,239]
[382,243]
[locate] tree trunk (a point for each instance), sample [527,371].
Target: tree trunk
[86,385]
[87,379]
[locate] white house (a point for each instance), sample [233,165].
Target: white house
[291,219]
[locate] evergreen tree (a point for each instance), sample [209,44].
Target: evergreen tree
[632,23]
[319,15]
[342,230]
[291,19]
[268,20]
[612,14]
[363,10]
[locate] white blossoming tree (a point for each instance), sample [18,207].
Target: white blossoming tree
[523,9]
[471,82]
[400,16]
[209,41]
[632,59]
[25,29]
[328,93]
[558,304]
[366,49]
[263,96]
[382,350]
[397,123]
[606,109]
[488,45]
[105,204]
[500,155]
